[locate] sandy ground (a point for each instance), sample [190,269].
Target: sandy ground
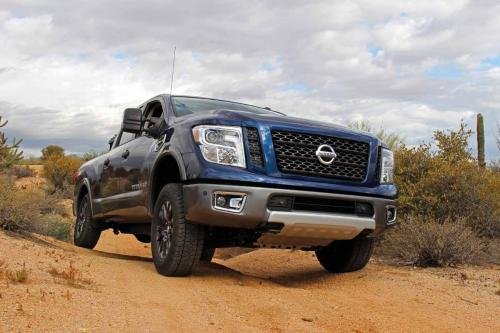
[116,289]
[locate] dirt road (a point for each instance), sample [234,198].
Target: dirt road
[116,288]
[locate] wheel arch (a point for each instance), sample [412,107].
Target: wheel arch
[83,188]
[168,168]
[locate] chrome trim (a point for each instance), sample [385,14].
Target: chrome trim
[393,221]
[242,194]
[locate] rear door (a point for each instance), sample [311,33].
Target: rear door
[113,175]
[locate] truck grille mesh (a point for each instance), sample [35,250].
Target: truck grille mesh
[296,154]
[254,146]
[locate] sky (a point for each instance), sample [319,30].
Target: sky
[69,68]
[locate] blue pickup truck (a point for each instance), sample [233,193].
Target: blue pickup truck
[192,174]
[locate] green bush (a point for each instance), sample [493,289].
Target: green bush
[9,154]
[55,226]
[422,241]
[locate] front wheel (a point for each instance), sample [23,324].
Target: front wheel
[176,244]
[85,234]
[346,255]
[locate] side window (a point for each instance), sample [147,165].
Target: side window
[153,114]
[125,137]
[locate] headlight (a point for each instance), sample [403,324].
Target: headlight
[387,167]
[221,144]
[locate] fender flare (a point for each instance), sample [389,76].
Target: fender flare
[180,166]
[83,183]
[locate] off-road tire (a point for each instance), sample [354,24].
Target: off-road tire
[85,233]
[207,254]
[346,255]
[143,238]
[183,250]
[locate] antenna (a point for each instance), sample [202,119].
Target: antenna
[173,69]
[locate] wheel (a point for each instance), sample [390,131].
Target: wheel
[346,255]
[207,254]
[176,245]
[85,234]
[143,238]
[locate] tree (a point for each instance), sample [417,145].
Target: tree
[9,154]
[52,150]
[392,140]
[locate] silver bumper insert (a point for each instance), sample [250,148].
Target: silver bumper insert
[308,228]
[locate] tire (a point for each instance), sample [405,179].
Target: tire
[143,238]
[207,254]
[176,245]
[85,233]
[346,255]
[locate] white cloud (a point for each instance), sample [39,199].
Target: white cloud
[68,69]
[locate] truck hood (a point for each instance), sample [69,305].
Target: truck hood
[242,118]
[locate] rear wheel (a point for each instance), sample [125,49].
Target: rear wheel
[85,234]
[346,255]
[176,244]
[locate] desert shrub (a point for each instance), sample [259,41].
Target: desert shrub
[445,183]
[21,171]
[50,151]
[56,226]
[424,242]
[32,211]
[52,205]
[19,210]
[9,154]
[59,171]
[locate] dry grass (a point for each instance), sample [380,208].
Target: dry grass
[14,276]
[71,276]
[425,242]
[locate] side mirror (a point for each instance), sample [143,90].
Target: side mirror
[112,141]
[132,120]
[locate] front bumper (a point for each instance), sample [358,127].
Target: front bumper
[300,228]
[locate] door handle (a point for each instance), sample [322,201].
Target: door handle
[106,162]
[126,153]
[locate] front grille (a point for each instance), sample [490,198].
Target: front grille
[254,146]
[296,154]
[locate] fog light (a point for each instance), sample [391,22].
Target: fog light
[391,215]
[364,209]
[220,200]
[229,201]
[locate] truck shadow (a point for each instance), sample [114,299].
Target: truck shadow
[121,256]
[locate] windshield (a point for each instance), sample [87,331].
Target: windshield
[188,105]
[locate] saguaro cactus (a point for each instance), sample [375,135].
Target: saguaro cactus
[480,141]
